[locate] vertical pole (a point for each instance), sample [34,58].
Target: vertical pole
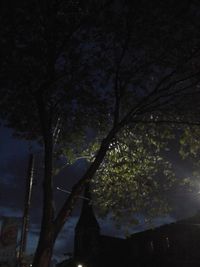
[27,202]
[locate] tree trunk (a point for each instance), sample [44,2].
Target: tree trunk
[44,250]
[46,239]
[50,228]
[66,209]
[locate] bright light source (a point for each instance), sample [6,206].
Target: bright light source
[80,265]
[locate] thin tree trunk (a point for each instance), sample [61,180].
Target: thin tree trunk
[66,210]
[44,250]
[46,240]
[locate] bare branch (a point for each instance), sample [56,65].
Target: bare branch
[156,92]
[168,98]
[183,122]
[116,84]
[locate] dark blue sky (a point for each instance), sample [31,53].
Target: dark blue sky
[13,166]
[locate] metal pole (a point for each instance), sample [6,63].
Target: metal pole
[27,202]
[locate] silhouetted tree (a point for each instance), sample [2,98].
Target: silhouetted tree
[116,67]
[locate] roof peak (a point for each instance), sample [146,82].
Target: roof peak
[87,217]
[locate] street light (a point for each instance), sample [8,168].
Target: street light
[79,265]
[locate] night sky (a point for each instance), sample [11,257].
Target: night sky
[13,166]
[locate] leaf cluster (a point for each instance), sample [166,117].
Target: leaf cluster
[136,174]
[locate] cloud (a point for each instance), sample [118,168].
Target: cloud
[8,211]
[64,243]
[10,146]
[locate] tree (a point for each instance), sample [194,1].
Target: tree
[38,96]
[73,71]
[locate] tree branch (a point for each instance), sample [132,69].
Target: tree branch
[183,122]
[78,187]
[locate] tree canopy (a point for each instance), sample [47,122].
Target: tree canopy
[107,80]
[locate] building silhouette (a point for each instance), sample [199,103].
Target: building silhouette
[175,244]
